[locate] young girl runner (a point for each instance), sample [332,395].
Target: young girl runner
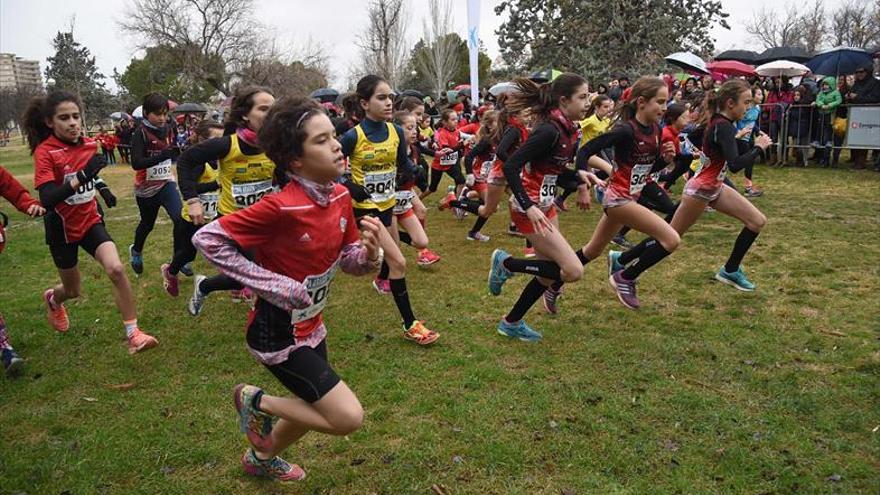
[707,187]
[16,194]
[152,153]
[478,162]
[206,188]
[244,173]
[376,149]
[449,145]
[635,138]
[65,168]
[746,129]
[596,123]
[298,237]
[541,160]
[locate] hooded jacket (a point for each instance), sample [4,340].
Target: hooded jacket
[866,90]
[828,101]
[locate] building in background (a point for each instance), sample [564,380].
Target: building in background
[17,73]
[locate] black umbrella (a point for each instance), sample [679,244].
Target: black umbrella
[791,53]
[413,92]
[325,94]
[190,108]
[744,56]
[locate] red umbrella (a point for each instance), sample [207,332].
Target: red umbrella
[731,68]
[461,87]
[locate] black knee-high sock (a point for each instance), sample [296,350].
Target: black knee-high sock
[539,268]
[532,292]
[405,237]
[651,257]
[478,225]
[624,230]
[743,242]
[401,299]
[627,257]
[528,243]
[383,271]
[584,260]
[469,205]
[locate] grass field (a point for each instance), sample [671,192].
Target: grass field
[704,390]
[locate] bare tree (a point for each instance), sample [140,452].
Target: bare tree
[212,37]
[384,41]
[773,29]
[813,27]
[289,70]
[856,24]
[440,59]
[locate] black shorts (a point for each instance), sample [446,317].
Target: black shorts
[385,216]
[453,171]
[64,254]
[306,372]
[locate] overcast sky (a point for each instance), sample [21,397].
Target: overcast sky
[28,26]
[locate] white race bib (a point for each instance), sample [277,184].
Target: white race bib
[249,193]
[380,185]
[404,202]
[639,177]
[161,171]
[548,191]
[450,159]
[486,166]
[209,204]
[83,194]
[319,288]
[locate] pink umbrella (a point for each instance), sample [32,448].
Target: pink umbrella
[731,68]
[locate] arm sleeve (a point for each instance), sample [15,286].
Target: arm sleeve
[139,159]
[425,150]
[353,259]
[725,138]
[614,137]
[191,164]
[539,143]
[348,140]
[509,139]
[13,191]
[51,194]
[206,187]
[482,147]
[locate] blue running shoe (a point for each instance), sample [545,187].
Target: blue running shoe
[614,265]
[737,279]
[519,331]
[137,260]
[12,362]
[497,273]
[187,269]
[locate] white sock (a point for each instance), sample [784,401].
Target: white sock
[130,327]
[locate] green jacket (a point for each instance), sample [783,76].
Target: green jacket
[828,101]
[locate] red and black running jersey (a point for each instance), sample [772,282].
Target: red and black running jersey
[632,169]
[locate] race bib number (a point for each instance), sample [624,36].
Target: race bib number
[83,194]
[249,193]
[319,288]
[639,177]
[723,174]
[380,186]
[404,201]
[450,159]
[548,191]
[486,166]
[209,204]
[161,171]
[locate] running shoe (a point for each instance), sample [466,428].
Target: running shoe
[497,273]
[529,252]
[512,230]
[198,298]
[276,468]
[420,334]
[450,196]
[57,312]
[737,279]
[518,330]
[254,423]
[621,241]
[12,362]
[426,258]
[614,265]
[477,236]
[169,281]
[136,260]
[560,204]
[753,192]
[626,290]
[382,286]
[551,296]
[248,296]
[187,269]
[140,341]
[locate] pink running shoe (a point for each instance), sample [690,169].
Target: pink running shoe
[382,286]
[169,281]
[426,258]
[276,468]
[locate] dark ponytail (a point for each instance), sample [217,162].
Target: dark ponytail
[715,100]
[597,102]
[365,89]
[541,99]
[242,104]
[39,110]
[283,132]
[645,87]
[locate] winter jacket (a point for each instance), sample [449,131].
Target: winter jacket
[828,101]
[867,91]
[799,120]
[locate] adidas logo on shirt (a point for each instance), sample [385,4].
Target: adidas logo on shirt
[305,238]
